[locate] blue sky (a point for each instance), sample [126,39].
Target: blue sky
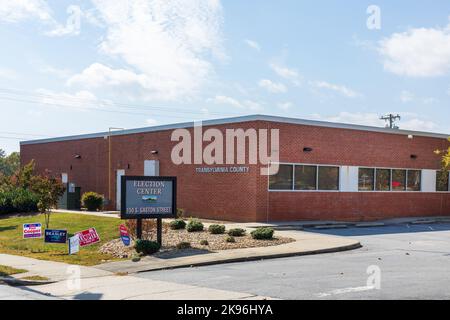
[69,67]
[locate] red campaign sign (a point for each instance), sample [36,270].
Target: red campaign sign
[123,231]
[88,237]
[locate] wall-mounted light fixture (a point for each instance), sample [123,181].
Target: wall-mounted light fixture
[77,156]
[154,152]
[307,149]
[410,137]
[128,166]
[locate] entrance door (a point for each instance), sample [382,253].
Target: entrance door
[120,173]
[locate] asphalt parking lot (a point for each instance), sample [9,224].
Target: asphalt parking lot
[396,262]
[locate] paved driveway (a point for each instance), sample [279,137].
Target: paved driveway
[404,262]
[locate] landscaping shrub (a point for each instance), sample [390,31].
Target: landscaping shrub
[18,201]
[147,247]
[180,213]
[92,201]
[177,224]
[238,232]
[216,229]
[204,242]
[230,239]
[183,245]
[263,233]
[194,225]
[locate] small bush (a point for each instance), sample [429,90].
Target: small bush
[204,242]
[180,213]
[263,233]
[92,201]
[230,239]
[216,229]
[194,225]
[238,232]
[177,224]
[147,247]
[183,245]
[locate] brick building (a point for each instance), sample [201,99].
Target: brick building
[328,171]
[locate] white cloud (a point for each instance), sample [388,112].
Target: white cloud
[80,100]
[343,90]
[418,124]
[287,73]
[99,75]
[246,104]
[367,119]
[58,72]
[406,96]
[285,106]
[408,122]
[166,46]
[253,44]
[421,52]
[151,122]
[273,87]
[9,74]
[19,10]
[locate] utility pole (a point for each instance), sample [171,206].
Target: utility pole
[391,118]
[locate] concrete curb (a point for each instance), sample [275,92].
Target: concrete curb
[259,257]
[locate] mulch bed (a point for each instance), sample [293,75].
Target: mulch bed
[172,237]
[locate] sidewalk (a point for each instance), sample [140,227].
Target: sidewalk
[305,243]
[95,284]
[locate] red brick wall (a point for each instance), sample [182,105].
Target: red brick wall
[353,148]
[244,197]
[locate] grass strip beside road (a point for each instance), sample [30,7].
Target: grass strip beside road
[9,271]
[12,242]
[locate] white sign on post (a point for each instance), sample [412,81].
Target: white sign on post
[74,244]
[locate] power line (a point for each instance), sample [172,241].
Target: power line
[17,95]
[23,134]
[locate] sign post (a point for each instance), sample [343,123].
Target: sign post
[148,198]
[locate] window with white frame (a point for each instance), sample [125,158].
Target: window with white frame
[374,179]
[298,177]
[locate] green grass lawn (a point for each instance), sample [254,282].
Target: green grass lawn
[8,271]
[11,241]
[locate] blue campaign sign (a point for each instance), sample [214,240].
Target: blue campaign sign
[55,236]
[124,235]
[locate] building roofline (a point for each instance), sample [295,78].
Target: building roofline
[256,117]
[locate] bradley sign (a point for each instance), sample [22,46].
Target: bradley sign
[148,197]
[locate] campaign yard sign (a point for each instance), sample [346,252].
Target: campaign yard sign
[55,236]
[88,237]
[74,244]
[32,231]
[124,235]
[148,197]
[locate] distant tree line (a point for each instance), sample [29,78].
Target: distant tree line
[9,164]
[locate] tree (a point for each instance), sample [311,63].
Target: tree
[9,164]
[445,157]
[49,190]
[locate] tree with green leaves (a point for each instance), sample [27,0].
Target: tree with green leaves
[49,190]
[9,164]
[445,157]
